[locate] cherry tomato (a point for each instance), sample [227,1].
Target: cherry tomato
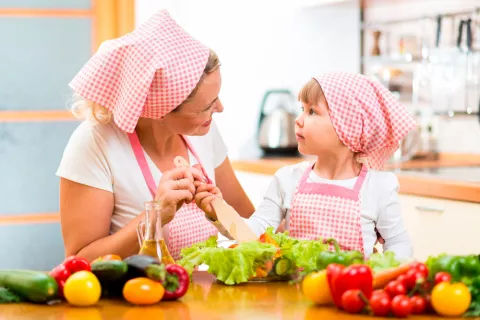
[421,267]
[351,301]
[442,277]
[450,299]
[380,292]
[82,289]
[316,289]
[395,288]
[380,303]
[402,279]
[412,277]
[401,306]
[262,238]
[428,300]
[143,291]
[419,304]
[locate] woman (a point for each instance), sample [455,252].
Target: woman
[142,95]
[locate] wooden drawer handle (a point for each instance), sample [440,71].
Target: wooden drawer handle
[430,209]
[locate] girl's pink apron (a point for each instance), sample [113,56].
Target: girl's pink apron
[189,225]
[325,211]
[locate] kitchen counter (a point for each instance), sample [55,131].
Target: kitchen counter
[452,176]
[205,299]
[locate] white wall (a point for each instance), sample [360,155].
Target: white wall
[262,45]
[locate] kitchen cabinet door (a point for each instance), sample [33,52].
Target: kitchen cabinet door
[441,226]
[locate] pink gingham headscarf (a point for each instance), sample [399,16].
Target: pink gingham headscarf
[366,116]
[146,73]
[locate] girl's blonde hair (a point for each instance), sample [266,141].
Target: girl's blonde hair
[311,93]
[85,109]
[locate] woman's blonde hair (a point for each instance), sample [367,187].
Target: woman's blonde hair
[86,109]
[311,93]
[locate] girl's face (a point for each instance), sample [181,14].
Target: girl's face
[315,132]
[194,117]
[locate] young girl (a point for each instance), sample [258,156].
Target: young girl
[352,124]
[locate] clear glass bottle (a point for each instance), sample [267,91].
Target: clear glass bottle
[150,235]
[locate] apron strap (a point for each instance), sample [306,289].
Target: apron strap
[142,162]
[360,179]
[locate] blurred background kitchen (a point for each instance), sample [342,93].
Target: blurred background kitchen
[425,51]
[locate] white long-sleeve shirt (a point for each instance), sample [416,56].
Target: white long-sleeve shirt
[380,207]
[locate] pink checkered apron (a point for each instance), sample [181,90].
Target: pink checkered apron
[189,225]
[328,211]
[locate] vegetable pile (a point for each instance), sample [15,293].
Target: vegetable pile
[139,279]
[445,285]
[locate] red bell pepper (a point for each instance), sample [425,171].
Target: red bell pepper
[176,282]
[60,273]
[341,279]
[75,264]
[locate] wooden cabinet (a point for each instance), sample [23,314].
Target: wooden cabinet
[437,226]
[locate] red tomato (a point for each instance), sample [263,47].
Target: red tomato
[262,238]
[412,277]
[380,303]
[419,266]
[395,288]
[428,301]
[442,277]
[402,279]
[419,304]
[401,306]
[352,302]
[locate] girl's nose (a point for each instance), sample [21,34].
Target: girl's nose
[299,120]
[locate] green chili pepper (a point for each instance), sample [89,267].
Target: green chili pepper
[345,258]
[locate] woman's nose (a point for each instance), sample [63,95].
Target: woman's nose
[218,106]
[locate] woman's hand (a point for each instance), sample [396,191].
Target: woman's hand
[175,188]
[205,193]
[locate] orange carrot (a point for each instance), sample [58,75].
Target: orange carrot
[382,278]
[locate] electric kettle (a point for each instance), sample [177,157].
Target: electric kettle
[276,130]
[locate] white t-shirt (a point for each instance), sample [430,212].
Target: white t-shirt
[100,156]
[380,207]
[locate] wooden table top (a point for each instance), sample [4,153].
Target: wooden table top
[205,299]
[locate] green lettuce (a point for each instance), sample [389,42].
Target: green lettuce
[303,253]
[229,265]
[379,262]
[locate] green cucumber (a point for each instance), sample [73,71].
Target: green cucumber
[34,286]
[8,296]
[109,270]
[281,266]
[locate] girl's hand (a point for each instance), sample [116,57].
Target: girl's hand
[205,194]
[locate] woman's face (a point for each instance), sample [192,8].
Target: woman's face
[193,118]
